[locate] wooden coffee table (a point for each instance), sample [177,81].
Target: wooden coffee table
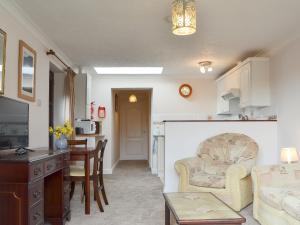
[199,209]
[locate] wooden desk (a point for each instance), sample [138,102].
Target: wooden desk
[34,188]
[84,154]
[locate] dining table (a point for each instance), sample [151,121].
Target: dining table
[84,154]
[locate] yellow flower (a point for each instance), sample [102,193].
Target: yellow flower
[66,129]
[51,130]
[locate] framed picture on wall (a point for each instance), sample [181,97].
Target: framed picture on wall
[27,72]
[2,60]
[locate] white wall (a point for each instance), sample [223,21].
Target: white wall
[166,101]
[80,87]
[182,140]
[59,99]
[285,88]
[38,128]
[115,154]
[17,29]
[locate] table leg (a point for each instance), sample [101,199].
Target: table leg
[167,215]
[87,185]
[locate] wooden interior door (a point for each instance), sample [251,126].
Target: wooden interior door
[134,130]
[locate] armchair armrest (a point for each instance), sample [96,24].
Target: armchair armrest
[184,168]
[237,172]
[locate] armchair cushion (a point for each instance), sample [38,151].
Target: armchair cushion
[208,180]
[211,174]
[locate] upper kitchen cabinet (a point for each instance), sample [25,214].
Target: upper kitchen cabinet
[255,82]
[228,87]
[246,85]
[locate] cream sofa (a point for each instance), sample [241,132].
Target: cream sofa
[222,167]
[277,194]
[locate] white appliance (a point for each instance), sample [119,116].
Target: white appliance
[88,126]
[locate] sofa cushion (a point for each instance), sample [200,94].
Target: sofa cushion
[208,180]
[272,196]
[291,204]
[276,196]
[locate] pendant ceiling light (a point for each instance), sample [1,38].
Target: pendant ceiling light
[184,17]
[132,99]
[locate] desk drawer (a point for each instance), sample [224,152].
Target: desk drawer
[53,165]
[36,192]
[36,215]
[36,171]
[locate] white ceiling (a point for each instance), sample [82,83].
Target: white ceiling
[137,32]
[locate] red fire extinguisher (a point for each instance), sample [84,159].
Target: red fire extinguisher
[92,109]
[101,112]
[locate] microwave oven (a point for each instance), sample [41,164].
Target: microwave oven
[86,126]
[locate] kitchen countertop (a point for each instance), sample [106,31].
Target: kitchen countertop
[212,121]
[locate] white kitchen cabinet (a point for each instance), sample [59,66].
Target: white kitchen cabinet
[231,80]
[222,105]
[245,79]
[255,83]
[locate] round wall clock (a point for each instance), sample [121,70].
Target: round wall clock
[185,90]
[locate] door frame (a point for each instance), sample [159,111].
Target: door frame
[114,92]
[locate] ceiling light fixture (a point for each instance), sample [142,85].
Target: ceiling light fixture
[129,70]
[205,66]
[184,17]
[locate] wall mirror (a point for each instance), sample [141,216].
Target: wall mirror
[2,60]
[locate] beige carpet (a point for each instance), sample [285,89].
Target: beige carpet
[135,198]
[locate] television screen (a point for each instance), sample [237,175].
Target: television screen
[14,126]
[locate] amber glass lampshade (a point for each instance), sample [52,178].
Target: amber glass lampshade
[184,17]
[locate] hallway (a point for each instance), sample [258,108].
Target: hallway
[134,195]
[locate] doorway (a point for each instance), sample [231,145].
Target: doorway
[56,98]
[132,124]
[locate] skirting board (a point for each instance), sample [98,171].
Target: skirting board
[110,171]
[154,171]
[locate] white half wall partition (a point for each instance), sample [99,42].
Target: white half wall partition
[182,139]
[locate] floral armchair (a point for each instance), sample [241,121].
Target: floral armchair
[223,167]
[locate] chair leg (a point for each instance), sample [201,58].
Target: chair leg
[96,193]
[72,190]
[82,192]
[102,188]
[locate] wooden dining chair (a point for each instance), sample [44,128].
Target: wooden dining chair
[78,143]
[78,174]
[100,172]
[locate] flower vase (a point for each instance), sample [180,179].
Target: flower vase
[61,143]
